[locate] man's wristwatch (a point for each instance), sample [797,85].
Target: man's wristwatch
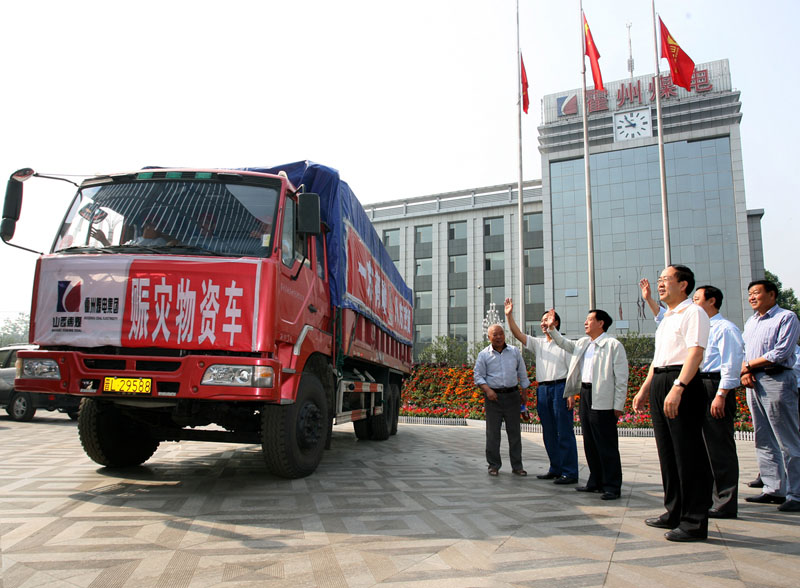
[677,382]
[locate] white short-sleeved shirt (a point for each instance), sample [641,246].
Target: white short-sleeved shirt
[682,328]
[552,362]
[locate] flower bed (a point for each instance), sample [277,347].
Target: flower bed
[449,392]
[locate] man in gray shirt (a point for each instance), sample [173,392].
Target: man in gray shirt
[499,372]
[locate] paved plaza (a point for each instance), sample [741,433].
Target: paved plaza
[416,510]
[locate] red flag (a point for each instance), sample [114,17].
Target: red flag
[594,55]
[525,101]
[680,64]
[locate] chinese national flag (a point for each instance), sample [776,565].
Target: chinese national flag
[525,100]
[594,55]
[680,64]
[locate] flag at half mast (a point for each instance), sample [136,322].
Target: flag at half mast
[680,64]
[590,50]
[525,99]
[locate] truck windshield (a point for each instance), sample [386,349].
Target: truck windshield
[196,217]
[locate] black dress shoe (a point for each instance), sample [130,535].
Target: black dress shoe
[790,506]
[757,483]
[765,498]
[587,489]
[565,480]
[683,536]
[658,523]
[721,514]
[547,476]
[609,496]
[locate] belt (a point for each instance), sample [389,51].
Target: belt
[552,382]
[775,369]
[586,385]
[709,375]
[667,369]
[506,390]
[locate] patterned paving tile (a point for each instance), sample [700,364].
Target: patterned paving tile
[416,510]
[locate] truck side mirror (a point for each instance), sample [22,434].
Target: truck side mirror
[13,202]
[308,220]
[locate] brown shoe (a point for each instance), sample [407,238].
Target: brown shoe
[493,471]
[519,472]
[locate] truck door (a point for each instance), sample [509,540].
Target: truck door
[298,299]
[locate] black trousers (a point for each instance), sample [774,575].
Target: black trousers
[506,408]
[600,445]
[721,446]
[685,470]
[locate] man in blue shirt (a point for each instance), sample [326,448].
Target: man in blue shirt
[770,338]
[499,372]
[720,375]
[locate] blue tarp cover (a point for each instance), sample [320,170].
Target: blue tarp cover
[337,205]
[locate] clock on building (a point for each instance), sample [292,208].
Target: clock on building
[633,124]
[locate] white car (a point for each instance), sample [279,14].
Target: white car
[21,406]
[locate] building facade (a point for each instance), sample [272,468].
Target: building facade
[459,251]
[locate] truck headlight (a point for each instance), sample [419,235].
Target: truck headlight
[44,369]
[258,376]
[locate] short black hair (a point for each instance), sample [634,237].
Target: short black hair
[558,319]
[712,292]
[603,316]
[684,274]
[768,286]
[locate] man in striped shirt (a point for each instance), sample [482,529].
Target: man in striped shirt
[770,337]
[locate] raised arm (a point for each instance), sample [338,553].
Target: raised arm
[550,322]
[512,324]
[647,295]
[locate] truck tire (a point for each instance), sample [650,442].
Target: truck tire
[20,407]
[293,435]
[112,438]
[363,429]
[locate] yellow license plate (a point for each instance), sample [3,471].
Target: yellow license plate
[128,385]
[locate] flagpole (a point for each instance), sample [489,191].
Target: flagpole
[584,109]
[521,248]
[661,163]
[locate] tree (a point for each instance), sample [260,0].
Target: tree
[15,330]
[638,347]
[445,350]
[786,298]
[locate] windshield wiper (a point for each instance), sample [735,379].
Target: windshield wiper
[195,248]
[83,249]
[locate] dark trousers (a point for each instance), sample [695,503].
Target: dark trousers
[506,408]
[721,446]
[600,445]
[685,471]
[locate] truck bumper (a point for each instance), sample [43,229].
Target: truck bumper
[86,374]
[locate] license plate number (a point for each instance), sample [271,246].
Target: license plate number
[128,385]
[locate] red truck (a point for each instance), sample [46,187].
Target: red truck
[253,305]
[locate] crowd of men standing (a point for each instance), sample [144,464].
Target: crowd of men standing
[700,358]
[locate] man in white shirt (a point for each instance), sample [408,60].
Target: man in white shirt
[558,421]
[677,407]
[598,372]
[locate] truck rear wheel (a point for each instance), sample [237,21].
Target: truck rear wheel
[112,438]
[293,435]
[381,426]
[396,404]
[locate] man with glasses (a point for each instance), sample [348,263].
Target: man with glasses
[677,407]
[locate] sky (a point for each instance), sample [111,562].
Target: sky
[405,99]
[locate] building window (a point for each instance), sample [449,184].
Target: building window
[493,227]
[496,294]
[457,264]
[423,234]
[423,300]
[534,293]
[391,237]
[532,222]
[494,261]
[457,331]
[424,267]
[457,230]
[422,333]
[534,258]
[458,298]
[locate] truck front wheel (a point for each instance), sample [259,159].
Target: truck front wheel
[110,437]
[293,435]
